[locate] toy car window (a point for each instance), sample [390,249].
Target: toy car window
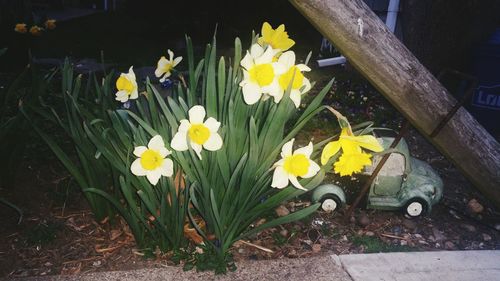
[394,166]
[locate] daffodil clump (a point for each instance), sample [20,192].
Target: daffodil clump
[218,152]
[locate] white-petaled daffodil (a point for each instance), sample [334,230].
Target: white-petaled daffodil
[196,133]
[300,84]
[294,164]
[152,162]
[164,67]
[260,74]
[127,86]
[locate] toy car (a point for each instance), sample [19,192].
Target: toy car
[403,182]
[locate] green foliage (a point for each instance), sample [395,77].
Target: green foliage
[375,245]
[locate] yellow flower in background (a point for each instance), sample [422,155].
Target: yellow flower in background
[196,133]
[21,28]
[353,158]
[50,24]
[36,30]
[300,84]
[276,38]
[127,86]
[260,74]
[165,67]
[294,164]
[152,162]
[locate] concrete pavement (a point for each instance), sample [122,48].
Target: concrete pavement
[428,266]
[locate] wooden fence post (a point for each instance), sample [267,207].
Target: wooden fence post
[375,52]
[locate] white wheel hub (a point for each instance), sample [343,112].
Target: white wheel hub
[329,205]
[414,209]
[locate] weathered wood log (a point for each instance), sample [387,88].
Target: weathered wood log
[375,52]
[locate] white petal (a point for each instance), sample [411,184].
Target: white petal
[196,114]
[213,143]
[137,169]
[179,141]
[167,168]
[197,148]
[251,93]
[295,96]
[154,176]
[177,60]
[134,95]
[295,182]
[286,150]
[313,170]
[212,124]
[184,126]
[274,90]
[247,61]
[163,79]
[266,57]
[306,150]
[121,96]
[164,152]
[170,55]
[156,143]
[306,85]
[287,59]
[131,74]
[139,150]
[303,67]
[279,68]
[280,178]
[256,50]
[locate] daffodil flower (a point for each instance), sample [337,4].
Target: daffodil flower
[36,30]
[127,86]
[164,67]
[276,38]
[353,158]
[152,162]
[50,24]
[196,133]
[293,165]
[260,74]
[300,84]
[21,28]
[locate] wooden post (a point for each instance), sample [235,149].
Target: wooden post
[375,52]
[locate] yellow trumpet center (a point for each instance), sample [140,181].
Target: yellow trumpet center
[124,84]
[287,77]
[297,165]
[151,159]
[199,133]
[262,74]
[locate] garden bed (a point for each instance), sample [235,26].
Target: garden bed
[58,234]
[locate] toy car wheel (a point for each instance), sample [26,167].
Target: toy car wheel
[330,203]
[415,208]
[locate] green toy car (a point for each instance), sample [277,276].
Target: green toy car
[403,182]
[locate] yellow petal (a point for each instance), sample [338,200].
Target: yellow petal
[330,149]
[267,30]
[365,141]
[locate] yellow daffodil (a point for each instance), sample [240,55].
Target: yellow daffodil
[276,38]
[165,67]
[127,86]
[300,84]
[353,158]
[350,163]
[152,162]
[36,30]
[260,74]
[196,133]
[293,165]
[21,28]
[50,24]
